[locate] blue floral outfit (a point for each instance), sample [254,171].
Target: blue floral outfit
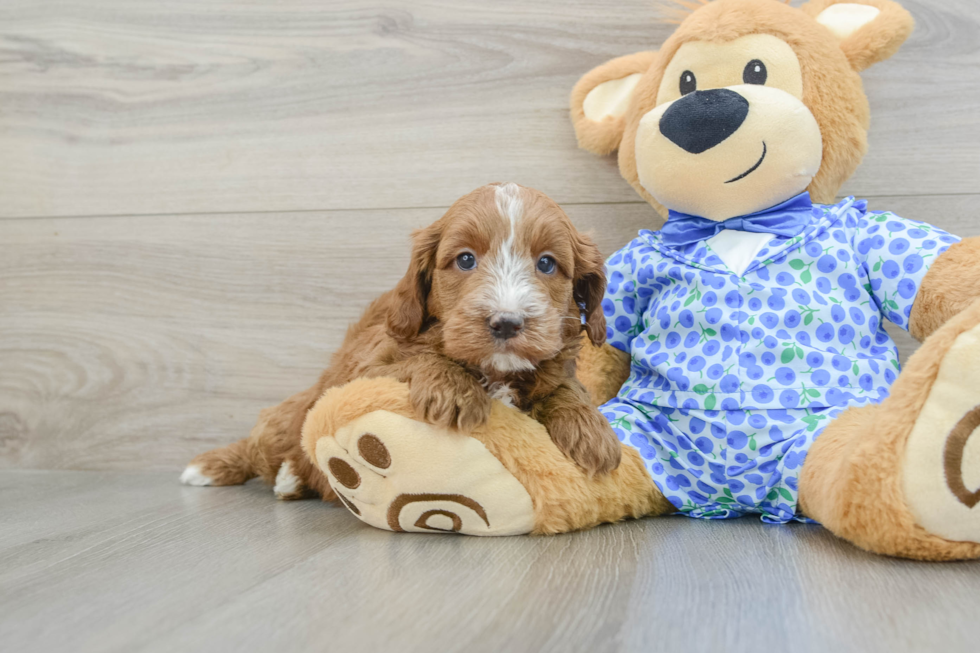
[734,376]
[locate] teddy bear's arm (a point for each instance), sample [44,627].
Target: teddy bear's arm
[951,284]
[602,370]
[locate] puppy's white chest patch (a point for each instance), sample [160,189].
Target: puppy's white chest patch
[737,249]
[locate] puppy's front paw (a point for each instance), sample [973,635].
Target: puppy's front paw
[451,400]
[584,435]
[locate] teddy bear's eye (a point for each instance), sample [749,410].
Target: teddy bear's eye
[755,72]
[689,82]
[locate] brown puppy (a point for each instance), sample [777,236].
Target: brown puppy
[491,307]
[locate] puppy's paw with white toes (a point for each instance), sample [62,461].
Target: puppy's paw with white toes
[192,475]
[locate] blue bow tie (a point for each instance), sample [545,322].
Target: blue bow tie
[787,219]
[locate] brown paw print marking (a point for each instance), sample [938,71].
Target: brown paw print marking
[421,522]
[344,473]
[347,502]
[402,500]
[953,458]
[374,451]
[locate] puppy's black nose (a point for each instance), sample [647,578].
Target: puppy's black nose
[702,119]
[505,326]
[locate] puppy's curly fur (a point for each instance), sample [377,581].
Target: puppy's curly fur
[436,331]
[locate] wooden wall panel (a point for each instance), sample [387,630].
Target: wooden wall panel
[115,107]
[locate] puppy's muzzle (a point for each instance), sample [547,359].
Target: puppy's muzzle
[504,326]
[701,120]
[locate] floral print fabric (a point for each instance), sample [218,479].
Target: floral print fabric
[733,377]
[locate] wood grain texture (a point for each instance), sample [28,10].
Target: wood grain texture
[97,561]
[113,107]
[136,343]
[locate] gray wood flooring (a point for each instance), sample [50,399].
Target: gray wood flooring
[196,197]
[110,561]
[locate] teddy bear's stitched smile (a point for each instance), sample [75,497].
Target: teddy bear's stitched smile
[748,172]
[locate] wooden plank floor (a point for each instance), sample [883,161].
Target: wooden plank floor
[196,197]
[109,561]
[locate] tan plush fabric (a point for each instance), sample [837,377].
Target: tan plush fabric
[429,479]
[610,98]
[852,480]
[602,137]
[603,371]
[941,471]
[563,496]
[875,41]
[779,128]
[832,89]
[951,284]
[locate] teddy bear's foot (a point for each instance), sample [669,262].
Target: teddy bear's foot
[504,478]
[903,477]
[941,475]
[401,474]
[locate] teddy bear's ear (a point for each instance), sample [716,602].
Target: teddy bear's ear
[600,100]
[868,31]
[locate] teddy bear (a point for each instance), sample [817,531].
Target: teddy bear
[746,369]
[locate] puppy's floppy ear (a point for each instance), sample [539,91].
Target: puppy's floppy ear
[408,313]
[600,100]
[868,31]
[590,287]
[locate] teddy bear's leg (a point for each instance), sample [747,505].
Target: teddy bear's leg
[902,478]
[398,473]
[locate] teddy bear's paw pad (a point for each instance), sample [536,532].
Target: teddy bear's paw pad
[942,455]
[400,474]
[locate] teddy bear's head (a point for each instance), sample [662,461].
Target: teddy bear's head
[747,104]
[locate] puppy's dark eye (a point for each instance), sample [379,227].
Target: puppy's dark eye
[689,82]
[466,261]
[547,265]
[755,72]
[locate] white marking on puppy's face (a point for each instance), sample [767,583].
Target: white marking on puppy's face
[509,203]
[511,288]
[287,483]
[192,475]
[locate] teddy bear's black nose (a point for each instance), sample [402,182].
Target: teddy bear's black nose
[702,119]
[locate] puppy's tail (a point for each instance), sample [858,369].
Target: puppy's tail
[231,465]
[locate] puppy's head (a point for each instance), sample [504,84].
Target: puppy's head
[507,276]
